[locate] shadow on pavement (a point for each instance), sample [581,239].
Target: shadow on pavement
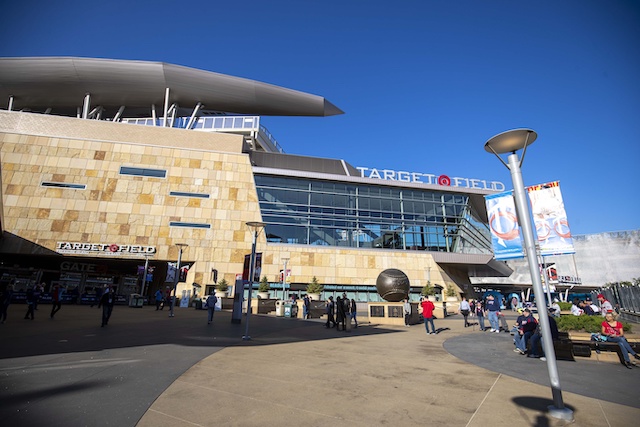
[600,380]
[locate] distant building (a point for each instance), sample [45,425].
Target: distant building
[599,259]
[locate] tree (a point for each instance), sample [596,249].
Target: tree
[264,285]
[314,287]
[451,291]
[222,285]
[428,290]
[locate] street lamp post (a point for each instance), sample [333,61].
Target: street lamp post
[181,246]
[510,142]
[144,276]
[256,227]
[284,278]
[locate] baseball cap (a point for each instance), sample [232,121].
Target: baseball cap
[600,296]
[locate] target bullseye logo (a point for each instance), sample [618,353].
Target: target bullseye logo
[444,180]
[114,248]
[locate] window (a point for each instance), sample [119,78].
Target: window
[64,185]
[188,224]
[154,173]
[314,212]
[186,194]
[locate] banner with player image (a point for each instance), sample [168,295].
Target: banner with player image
[506,239]
[550,219]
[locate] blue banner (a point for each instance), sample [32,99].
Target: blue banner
[506,239]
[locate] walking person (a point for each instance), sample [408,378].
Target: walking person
[56,302]
[30,302]
[38,290]
[354,312]
[98,296]
[465,309]
[159,299]
[5,301]
[167,299]
[480,314]
[427,314]
[493,310]
[340,314]
[406,309]
[212,300]
[306,306]
[347,311]
[107,301]
[330,310]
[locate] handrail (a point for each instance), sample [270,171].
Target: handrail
[214,124]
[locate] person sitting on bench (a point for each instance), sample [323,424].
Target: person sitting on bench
[536,338]
[526,327]
[614,332]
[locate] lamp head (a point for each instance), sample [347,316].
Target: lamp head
[255,224]
[510,141]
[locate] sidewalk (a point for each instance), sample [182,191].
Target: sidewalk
[149,370]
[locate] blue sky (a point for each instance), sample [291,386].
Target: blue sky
[424,84]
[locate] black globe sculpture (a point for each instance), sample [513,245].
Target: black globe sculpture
[393,285]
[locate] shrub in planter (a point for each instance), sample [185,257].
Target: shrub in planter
[222,286]
[264,285]
[565,306]
[428,290]
[591,324]
[314,287]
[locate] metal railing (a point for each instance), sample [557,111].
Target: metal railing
[625,298]
[215,124]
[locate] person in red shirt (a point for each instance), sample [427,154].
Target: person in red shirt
[427,314]
[614,332]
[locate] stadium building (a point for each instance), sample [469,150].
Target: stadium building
[109,165]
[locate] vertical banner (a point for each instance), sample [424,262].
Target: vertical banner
[258,268]
[172,272]
[184,270]
[550,218]
[503,223]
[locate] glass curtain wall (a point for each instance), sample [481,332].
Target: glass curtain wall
[312,212]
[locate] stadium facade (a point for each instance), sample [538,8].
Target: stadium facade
[107,165]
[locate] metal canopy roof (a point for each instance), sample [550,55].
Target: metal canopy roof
[61,83]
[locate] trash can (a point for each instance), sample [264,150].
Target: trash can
[135,300]
[280,308]
[294,310]
[287,309]
[198,304]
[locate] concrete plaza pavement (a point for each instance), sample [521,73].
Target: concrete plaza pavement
[147,369]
